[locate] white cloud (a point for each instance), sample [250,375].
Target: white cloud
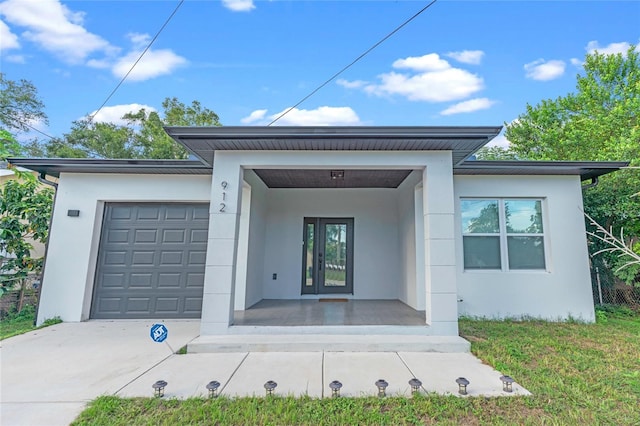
[239,5]
[113,114]
[430,62]
[8,40]
[55,28]
[576,62]
[500,141]
[16,59]
[544,70]
[473,57]
[429,78]
[356,84]
[469,106]
[154,63]
[321,116]
[256,115]
[609,49]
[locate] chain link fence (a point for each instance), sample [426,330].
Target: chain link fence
[608,290]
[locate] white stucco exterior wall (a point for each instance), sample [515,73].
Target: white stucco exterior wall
[257,226]
[560,292]
[409,292]
[73,246]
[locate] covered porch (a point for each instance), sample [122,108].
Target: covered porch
[389,190]
[329,312]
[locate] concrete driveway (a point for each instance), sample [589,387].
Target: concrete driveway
[48,375]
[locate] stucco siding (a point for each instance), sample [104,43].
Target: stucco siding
[69,275]
[561,291]
[257,225]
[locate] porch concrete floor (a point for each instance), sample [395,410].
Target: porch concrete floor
[292,313]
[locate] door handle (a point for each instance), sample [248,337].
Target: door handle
[320,262]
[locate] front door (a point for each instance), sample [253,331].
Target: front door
[327,256]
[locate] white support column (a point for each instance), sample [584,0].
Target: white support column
[439,247]
[219,280]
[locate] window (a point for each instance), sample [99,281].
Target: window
[505,234]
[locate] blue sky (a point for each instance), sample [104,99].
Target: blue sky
[458,63]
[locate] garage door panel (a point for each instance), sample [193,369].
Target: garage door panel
[151,261]
[173,236]
[146,236]
[148,212]
[195,279]
[141,280]
[120,213]
[115,258]
[169,280]
[199,236]
[176,213]
[193,305]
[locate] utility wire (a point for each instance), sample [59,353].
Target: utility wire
[137,60]
[33,128]
[354,61]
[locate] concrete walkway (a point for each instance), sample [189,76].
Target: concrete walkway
[47,376]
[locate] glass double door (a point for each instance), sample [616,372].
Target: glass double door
[327,256]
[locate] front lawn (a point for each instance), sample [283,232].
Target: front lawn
[20,323]
[578,374]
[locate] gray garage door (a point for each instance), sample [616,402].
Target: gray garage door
[151,261]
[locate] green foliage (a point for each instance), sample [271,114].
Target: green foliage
[495,153]
[142,137]
[9,146]
[19,105]
[598,122]
[51,321]
[25,210]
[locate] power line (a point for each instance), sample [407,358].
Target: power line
[137,60]
[354,61]
[33,128]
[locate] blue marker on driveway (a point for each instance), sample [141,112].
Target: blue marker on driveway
[159,333]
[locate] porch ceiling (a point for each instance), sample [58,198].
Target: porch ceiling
[204,141]
[294,178]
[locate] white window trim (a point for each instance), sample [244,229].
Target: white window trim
[503,235]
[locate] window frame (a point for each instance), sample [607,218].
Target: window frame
[503,235]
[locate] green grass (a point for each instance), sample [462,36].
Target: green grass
[20,323]
[578,374]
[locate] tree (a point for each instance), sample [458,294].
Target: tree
[143,136]
[599,121]
[19,105]
[25,210]
[495,153]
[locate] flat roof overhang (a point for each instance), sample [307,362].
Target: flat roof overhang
[204,141]
[585,169]
[55,166]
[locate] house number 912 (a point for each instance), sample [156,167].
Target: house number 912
[224,186]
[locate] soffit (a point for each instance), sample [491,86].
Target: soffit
[55,166]
[585,169]
[315,178]
[204,141]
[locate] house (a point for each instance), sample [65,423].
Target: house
[270,221]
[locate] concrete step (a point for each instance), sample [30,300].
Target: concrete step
[327,343]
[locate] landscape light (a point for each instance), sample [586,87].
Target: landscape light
[158,388]
[270,386]
[382,387]
[462,385]
[212,387]
[335,388]
[415,385]
[507,383]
